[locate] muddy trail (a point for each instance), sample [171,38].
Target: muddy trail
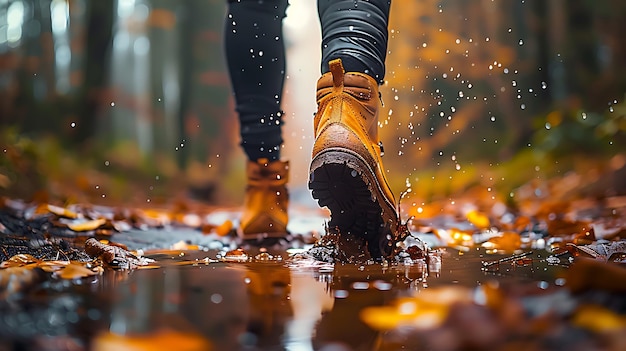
[87,277]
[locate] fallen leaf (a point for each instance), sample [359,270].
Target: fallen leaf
[455,237]
[601,251]
[19,260]
[52,266]
[84,226]
[598,319]
[74,271]
[480,220]
[224,228]
[60,211]
[507,241]
[159,340]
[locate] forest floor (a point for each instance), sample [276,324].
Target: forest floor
[540,267]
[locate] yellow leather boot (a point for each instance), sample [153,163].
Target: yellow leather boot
[266,200]
[347,173]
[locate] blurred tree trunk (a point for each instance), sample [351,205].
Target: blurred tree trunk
[209,124]
[165,79]
[91,48]
[188,29]
[556,34]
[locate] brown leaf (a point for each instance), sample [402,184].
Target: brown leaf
[52,266]
[603,252]
[19,260]
[113,255]
[224,228]
[74,271]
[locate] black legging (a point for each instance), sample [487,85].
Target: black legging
[353,30]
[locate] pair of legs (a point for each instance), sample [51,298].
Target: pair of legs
[354,40]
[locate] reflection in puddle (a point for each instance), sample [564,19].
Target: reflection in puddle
[254,301]
[209,300]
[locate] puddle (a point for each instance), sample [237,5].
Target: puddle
[192,300]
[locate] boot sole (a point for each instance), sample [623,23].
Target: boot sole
[344,183]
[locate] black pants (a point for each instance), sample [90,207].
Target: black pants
[353,30]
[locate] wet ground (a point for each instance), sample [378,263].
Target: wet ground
[202,292]
[269,301]
[265,303]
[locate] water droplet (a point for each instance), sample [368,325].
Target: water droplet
[216,298]
[237,255]
[353,173]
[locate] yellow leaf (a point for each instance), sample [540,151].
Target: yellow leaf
[598,319]
[480,220]
[88,225]
[62,212]
[508,241]
[159,340]
[382,318]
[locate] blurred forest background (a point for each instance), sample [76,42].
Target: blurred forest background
[129,100]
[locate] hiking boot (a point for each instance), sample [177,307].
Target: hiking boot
[266,200]
[347,173]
